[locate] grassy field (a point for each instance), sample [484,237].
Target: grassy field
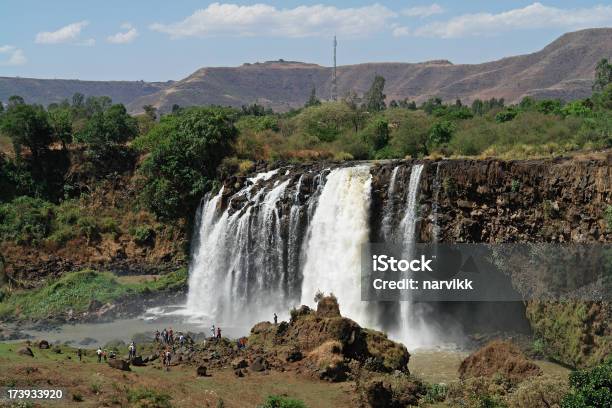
[76,290]
[92,384]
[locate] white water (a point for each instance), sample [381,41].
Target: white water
[237,274]
[249,264]
[339,227]
[387,222]
[413,331]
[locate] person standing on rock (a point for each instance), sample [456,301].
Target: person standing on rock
[99,353]
[80,354]
[164,335]
[167,358]
[218,332]
[275,319]
[213,331]
[156,336]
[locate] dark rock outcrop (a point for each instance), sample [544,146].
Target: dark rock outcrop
[119,364]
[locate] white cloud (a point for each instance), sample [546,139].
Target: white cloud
[123,37]
[266,20]
[423,11]
[533,16]
[401,31]
[15,56]
[66,34]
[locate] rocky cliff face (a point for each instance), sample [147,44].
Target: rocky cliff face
[497,201]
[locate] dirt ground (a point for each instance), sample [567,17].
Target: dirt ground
[92,384]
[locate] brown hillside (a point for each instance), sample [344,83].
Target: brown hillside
[563,69]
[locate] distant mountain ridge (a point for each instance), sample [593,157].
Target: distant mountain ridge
[46,91]
[563,69]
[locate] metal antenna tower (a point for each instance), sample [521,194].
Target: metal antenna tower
[334,90]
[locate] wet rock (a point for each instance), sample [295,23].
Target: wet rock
[25,351]
[119,364]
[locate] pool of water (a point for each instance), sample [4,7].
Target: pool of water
[92,335]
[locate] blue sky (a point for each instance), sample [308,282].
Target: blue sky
[160,40]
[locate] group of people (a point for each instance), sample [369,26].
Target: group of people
[167,337]
[215,332]
[103,354]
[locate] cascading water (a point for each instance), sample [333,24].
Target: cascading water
[282,238]
[414,331]
[387,222]
[339,227]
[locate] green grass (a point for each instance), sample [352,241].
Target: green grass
[77,290]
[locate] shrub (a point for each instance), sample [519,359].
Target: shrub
[148,398]
[26,220]
[590,388]
[505,115]
[278,401]
[538,392]
[435,393]
[143,235]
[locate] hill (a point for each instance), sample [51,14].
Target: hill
[46,91]
[563,69]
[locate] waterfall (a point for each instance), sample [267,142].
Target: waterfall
[389,210]
[280,239]
[413,331]
[240,263]
[339,227]
[435,205]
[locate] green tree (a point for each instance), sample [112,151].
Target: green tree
[478,107]
[603,74]
[440,133]
[313,100]
[376,134]
[150,111]
[181,165]
[375,98]
[590,388]
[108,128]
[15,100]
[27,125]
[60,120]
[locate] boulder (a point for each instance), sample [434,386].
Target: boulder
[259,364]
[43,344]
[25,351]
[239,363]
[379,394]
[119,364]
[239,373]
[294,355]
[138,361]
[201,371]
